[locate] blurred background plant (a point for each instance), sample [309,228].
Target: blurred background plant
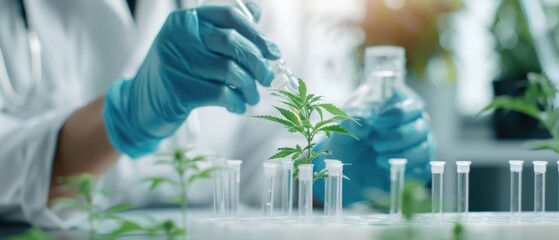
[517,56]
[422,27]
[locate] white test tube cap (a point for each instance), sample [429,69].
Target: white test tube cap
[269,169]
[437,166]
[516,165]
[539,166]
[335,168]
[305,172]
[235,164]
[463,166]
[397,162]
[330,161]
[287,164]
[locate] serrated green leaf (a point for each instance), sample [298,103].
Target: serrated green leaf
[320,175]
[283,152]
[551,144]
[302,89]
[288,96]
[515,104]
[275,119]
[333,110]
[338,129]
[320,113]
[288,115]
[206,173]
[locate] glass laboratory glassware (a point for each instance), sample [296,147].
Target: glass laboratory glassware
[285,79]
[286,187]
[539,188]
[333,208]
[437,171]
[234,167]
[515,188]
[384,69]
[305,190]
[463,170]
[269,181]
[220,188]
[397,170]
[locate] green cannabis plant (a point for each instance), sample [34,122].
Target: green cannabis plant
[187,170]
[537,102]
[298,112]
[84,189]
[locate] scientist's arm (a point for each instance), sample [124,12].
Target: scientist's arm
[209,56]
[82,146]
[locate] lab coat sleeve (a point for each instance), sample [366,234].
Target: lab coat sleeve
[27,150]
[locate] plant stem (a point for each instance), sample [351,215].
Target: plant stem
[183,202]
[91,222]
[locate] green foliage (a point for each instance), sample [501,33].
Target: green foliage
[415,199]
[84,189]
[537,102]
[187,171]
[32,234]
[458,232]
[297,116]
[513,41]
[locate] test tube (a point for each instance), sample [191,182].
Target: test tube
[437,171]
[286,186]
[220,188]
[305,190]
[515,187]
[334,190]
[397,170]
[463,169]
[234,182]
[327,187]
[539,187]
[269,181]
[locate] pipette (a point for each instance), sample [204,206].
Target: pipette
[285,79]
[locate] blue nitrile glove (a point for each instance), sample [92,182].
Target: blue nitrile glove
[402,131]
[209,56]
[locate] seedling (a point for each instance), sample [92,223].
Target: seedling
[537,102]
[84,189]
[187,171]
[297,116]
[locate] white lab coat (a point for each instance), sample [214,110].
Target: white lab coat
[88,44]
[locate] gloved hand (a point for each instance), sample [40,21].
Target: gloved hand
[401,131]
[209,56]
